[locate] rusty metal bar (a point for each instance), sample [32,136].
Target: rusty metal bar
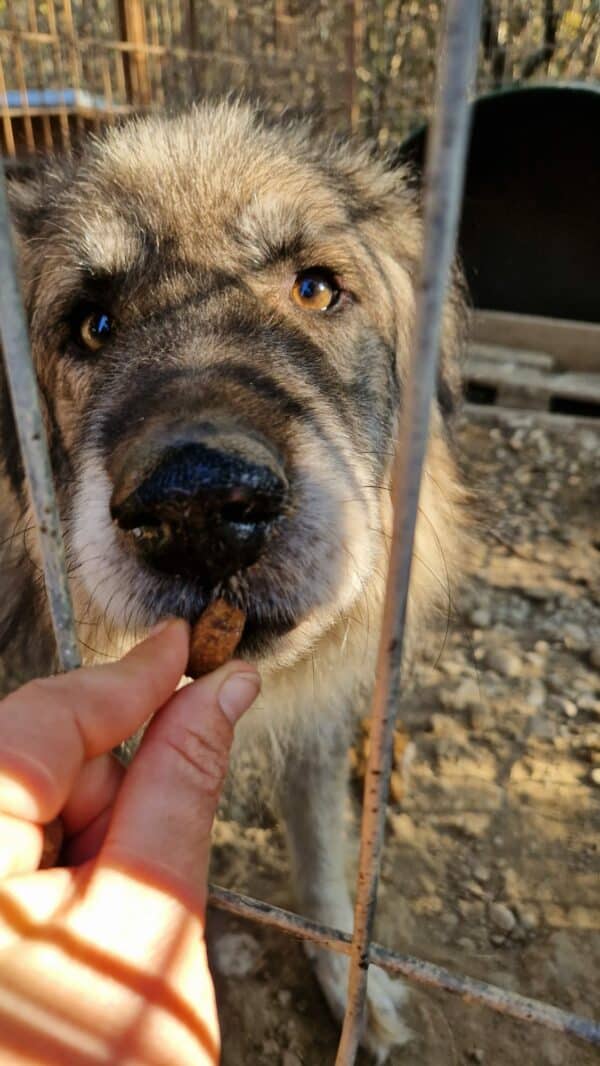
[425,973]
[32,438]
[443,191]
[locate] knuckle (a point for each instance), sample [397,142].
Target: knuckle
[207,759]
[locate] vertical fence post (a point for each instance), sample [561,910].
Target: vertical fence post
[132,27]
[354,15]
[443,191]
[32,438]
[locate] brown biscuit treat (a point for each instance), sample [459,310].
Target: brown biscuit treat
[53,838]
[214,638]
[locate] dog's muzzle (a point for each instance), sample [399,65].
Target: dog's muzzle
[200,501]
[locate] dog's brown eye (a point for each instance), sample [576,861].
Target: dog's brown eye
[315,290]
[95,330]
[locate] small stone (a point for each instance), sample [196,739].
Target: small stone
[497,940]
[396,786]
[447,728]
[476,1055]
[466,944]
[536,697]
[481,618]
[403,827]
[449,919]
[569,708]
[472,910]
[588,702]
[475,889]
[540,592]
[473,824]
[466,695]
[481,719]
[451,668]
[511,881]
[542,728]
[236,954]
[502,917]
[575,637]
[542,647]
[589,440]
[595,658]
[528,916]
[595,775]
[562,705]
[284,997]
[481,873]
[504,662]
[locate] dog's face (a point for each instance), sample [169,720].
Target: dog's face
[221,316]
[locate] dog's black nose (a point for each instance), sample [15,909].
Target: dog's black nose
[202,511]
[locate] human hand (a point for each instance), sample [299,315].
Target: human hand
[103,960]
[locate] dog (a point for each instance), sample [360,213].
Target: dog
[221,311]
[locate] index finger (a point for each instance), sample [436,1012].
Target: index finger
[50,727]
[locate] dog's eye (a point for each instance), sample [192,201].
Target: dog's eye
[315,290]
[95,329]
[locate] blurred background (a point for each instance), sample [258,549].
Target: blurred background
[363,65]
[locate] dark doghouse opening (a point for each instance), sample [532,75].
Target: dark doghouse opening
[484,394]
[565,406]
[530,227]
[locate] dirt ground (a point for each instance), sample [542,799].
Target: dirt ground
[491,865]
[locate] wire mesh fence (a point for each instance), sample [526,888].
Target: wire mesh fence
[146,73]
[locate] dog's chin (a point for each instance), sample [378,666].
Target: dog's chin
[261,637]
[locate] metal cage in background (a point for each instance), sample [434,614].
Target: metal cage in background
[443,190]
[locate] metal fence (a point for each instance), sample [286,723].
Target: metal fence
[444,177]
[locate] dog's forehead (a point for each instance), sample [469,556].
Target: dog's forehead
[202,195]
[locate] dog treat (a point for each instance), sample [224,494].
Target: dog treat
[214,638]
[53,838]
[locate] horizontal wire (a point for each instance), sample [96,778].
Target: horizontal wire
[421,972]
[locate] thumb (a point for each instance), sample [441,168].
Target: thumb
[164,812]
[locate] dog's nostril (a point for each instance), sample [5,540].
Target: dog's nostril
[154,535]
[237,511]
[245,512]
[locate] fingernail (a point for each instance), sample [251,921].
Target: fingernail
[236,694]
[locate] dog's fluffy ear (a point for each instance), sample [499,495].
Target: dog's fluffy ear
[29,209]
[26,200]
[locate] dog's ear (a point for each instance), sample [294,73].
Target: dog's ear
[29,211]
[28,202]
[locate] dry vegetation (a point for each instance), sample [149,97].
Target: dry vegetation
[368,64]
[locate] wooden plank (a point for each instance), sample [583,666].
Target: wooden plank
[496,353]
[132,23]
[529,387]
[518,418]
[574,345]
